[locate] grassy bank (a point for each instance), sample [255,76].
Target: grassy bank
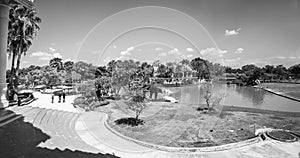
[181,125]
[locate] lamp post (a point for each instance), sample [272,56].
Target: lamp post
[4,18]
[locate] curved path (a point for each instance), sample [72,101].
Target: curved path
[72,129]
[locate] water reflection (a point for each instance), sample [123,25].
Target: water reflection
[238,96]
[254,95]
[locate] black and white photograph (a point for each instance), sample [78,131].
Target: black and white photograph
[149,78]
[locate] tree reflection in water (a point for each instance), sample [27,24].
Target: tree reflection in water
[254,95]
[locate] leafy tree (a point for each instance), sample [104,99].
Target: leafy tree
[201,67]
[179,71]
[186,67]
[137,104]
[281,71]
[102,85]
[68,66]
[121,72]
[101,71]
[85,70]
[111,65]
[295,70]
[268,69]
[162,71]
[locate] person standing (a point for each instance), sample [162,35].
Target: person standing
[59,97]
[64,95]
[52,97]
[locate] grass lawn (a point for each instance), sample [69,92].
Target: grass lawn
[180,125]
[286,88]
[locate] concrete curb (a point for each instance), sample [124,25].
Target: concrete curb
[279,94]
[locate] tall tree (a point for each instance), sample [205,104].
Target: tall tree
[23,27]
[200,65]
[295,70]
[57,64]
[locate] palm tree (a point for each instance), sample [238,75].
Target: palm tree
[56,63]
[23,27]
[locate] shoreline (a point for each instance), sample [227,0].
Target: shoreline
[280,94]
[260,111]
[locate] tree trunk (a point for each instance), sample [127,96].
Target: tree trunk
[12,67]
[17,70]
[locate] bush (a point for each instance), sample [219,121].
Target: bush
[79,100]
[129,121]
[89,104]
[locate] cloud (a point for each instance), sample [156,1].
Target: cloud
[57,55]
[67,60]
[174,51]
[107,59]
[130,48]
[158,49]
[189,49]
[52,49]
[235,62]
[232,32]
[127,51]
[163,54]
[121,58]
[239,51]
[189,56]
[45,56]
[212,52]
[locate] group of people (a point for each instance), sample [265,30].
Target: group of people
[60,94]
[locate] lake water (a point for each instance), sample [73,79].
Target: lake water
[234,95]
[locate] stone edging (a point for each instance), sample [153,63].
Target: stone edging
[280,94]
[180,149]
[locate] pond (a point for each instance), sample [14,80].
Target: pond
[234,95]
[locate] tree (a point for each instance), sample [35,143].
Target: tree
[102,85]
[281,72]
[179,71]
[22,28]
[57,64]
[248,69]
[68,66]
[137,104]
[121,72]
[137,88]
[201,67]
[295,70]
[269,69]
[186,66]
[163,71]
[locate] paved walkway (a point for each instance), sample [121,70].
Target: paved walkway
[70,128]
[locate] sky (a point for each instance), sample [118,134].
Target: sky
[230,32]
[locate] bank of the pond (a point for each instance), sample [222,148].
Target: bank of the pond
[260,111]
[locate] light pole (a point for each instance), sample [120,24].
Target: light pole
[4,17]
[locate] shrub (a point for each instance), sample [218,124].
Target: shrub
[129,121]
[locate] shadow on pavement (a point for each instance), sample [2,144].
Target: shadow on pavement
[20,139]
